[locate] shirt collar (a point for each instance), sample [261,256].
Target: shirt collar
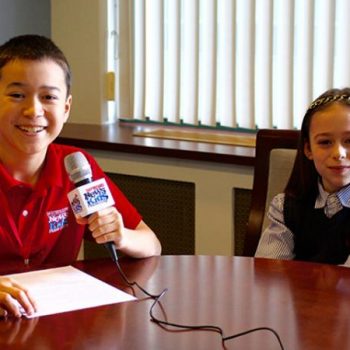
[6,180]
[51,174]
[53,170]
[343,196]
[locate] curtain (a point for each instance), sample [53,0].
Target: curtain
[240,64]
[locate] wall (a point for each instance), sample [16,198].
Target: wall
[214,187]
[79,28]
[24,17]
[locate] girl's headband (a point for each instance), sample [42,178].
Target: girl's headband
[333,98]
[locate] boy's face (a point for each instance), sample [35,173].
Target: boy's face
[33,106]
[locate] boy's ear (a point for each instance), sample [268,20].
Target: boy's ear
[67,107]
[307,151]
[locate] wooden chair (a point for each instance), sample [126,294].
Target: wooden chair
[274,159]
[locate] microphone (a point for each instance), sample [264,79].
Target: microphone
[88,196]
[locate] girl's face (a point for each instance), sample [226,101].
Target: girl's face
[329,146]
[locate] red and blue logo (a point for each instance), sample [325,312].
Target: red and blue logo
[58,219]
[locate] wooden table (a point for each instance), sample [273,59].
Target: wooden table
[308,305]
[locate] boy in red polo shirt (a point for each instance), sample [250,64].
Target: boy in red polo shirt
[37,225]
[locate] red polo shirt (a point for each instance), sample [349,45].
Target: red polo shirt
[37,225]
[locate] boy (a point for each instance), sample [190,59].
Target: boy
[37,225]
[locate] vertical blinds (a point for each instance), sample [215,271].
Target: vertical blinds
[229,63]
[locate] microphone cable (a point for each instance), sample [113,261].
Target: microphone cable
[165,324]
[79,171]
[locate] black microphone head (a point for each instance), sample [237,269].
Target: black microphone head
[78,168]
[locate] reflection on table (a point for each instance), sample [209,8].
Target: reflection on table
[306,304]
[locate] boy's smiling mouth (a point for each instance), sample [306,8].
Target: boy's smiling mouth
[31,129]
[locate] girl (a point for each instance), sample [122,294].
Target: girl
[310,221]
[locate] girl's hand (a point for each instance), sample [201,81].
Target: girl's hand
[15,299]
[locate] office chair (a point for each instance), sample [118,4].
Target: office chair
[274,159]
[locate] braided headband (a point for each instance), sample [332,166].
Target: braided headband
[327,99]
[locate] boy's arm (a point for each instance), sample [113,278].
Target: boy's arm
[107,226]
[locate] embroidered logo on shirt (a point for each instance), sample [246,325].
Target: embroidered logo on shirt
[58,219]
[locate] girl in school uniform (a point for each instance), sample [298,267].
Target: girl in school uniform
[310,220]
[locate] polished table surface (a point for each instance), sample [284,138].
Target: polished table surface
[307,304]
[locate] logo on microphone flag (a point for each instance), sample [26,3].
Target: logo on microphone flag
[76,205]
[90,198]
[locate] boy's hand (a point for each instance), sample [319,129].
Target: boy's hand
[15,299]
[106,226]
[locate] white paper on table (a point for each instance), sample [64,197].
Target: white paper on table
[66,289]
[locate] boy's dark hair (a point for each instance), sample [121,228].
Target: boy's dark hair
[304,177]
[35,47]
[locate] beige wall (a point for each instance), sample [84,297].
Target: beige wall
[214,184]
[79,28]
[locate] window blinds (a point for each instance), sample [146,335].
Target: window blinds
[229,63]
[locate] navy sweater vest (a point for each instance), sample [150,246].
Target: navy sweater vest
[316,237]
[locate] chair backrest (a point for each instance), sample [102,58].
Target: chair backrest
[274,159]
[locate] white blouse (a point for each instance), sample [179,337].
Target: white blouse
[277,242]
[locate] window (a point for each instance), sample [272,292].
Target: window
[242,64]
